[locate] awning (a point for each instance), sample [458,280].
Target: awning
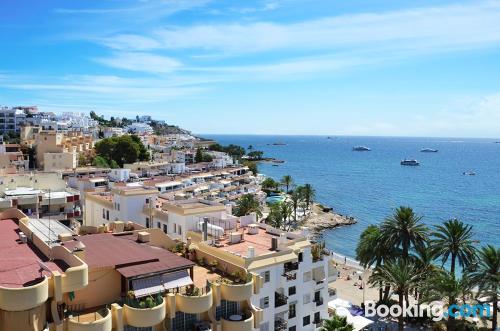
[152,285]
[147,286]
[176,279]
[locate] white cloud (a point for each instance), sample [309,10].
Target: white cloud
[136,61]
[435,28]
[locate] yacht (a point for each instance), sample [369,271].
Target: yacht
[469,173]
[361,149]
[407,162]
[428,150]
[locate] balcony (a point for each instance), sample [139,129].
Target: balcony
[318,301]
[280,324]
[280,299]
[96,321]
[194,301]
[238,322]
[144,313]
[231,291]
[24,298]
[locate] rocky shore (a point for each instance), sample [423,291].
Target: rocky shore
[321,218]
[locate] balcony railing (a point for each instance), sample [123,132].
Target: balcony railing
[280,299]
[318,301]
[280,324]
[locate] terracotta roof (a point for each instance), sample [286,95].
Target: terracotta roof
[19,262]
[127,256]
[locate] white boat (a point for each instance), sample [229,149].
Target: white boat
[361,149]
[407,162]
[428,150]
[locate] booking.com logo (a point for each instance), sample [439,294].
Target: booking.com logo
[433,310]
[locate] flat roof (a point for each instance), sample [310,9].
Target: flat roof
[19,263]
[129,257]
[48,229]
[261,242]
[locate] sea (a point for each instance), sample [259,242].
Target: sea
[370,185]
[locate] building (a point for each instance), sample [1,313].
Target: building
[11,119]
[126,203]
[57,142]
[60,161]
[12,159]
[113,132]
[45,193]
[295,271]
[139,128]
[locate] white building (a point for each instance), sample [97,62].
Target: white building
[11,119]
[139,128]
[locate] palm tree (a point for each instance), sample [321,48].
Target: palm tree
[371,250]
[403,230]
[336,323]
[423,260]
[275,217]
[402,276]
[286,211]
[287,181]
[247,204]
[445,287]
[453,240]
[308,194]
[487,277]
[295,199]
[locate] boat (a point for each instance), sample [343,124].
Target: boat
[468,173]
[277,161]
[428,150]
[279,144]
[361,149]
[408,162]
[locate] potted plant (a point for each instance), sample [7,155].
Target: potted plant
[213,265]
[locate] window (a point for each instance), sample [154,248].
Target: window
[267,276]
[147,222]
[306,320]
[292,328]
[301,257]
[180,230]
[147,200]
[292,290]
[104,213]
[307,276]
[175,227]
[264,302]
[307,298]
[291,310]
[165,228]
[317,318]
[158,224]
[107,215]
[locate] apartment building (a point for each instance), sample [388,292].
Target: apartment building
[60,143]
[11,119]
[12,159]
[42,193]
[295,271]
[127,203]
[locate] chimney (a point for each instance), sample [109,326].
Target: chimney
[251,252]
[274,243]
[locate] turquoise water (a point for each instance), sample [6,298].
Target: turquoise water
[369,185]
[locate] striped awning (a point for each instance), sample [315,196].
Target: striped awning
[176,279]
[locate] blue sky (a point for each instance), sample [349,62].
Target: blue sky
[407,68]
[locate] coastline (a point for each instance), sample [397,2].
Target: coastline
[321,218]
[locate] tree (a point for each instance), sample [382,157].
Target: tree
[445,287]
[275,217]
[286,211]
[403,230]
[453,240]
[486,276]
[269,184]
[309,193]
[295,199]
[100,162]
[252,166]
[255,155]
[371,250]
[124,149]
[401,275]
[287,181]
[198,156]
[336,323]
[247,204]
